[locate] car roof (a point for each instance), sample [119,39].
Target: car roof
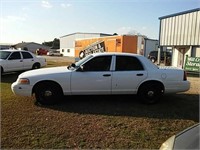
[13,50]
[115,53]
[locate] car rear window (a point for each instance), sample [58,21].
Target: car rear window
[128,63]
[26,55]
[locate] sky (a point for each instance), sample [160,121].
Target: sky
[44,20]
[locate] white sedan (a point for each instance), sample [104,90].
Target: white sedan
[18,60]
[102,74]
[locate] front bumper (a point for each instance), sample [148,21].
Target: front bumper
[21,89]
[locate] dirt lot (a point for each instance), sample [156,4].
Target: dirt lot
[113,122]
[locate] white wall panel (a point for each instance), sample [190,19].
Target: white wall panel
[169,30]
[181,29]
[176,31]
[172,31]
[182,33]
[197,32]
[189,29]
[193,29]
[186,29]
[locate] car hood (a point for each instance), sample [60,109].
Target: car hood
[45,71]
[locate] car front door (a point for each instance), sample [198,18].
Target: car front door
[93,78]
[28,60]
[14,62]
[129,73]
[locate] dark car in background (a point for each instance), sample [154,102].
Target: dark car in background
[153,56]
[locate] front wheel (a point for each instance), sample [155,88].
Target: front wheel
[153,59]
[48,93]
[150,93]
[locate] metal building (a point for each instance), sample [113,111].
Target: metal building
[67,42]
[181,31]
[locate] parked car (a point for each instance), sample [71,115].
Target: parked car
[186,139]
[18,60]
[103,74]
[41,51]
[153,56]
[54,53]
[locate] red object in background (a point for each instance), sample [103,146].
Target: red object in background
[41,51]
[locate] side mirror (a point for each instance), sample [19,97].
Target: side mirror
[80,69]
[73,65]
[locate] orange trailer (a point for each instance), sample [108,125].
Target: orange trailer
[122,43]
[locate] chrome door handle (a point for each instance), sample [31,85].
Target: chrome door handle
[140,74]
[107,75]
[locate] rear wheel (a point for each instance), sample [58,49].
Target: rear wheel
[150,93]
[48,93]
[36,66]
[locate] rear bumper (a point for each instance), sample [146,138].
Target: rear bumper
[179,86]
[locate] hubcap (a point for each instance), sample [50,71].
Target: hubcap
[47,93]
[150,93]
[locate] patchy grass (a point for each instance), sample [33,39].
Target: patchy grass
[106,122]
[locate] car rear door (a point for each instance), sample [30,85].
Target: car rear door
[94,78]
[28,60]
[129,73]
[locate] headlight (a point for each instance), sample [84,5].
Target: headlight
[169,144]
[23,81]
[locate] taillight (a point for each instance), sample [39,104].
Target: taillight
[185,76]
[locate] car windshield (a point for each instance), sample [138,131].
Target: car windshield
[83,60]
[4,54]
[80,62]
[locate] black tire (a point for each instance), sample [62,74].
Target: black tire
[36,66]
[1,70]
[48,93]
[150,93]
[153,59]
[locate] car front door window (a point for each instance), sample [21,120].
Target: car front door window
[101,63]
[15,56]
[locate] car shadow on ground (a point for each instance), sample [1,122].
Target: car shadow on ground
[175,106]
[10,77]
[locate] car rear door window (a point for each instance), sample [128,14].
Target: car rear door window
[128,63]
[26,55]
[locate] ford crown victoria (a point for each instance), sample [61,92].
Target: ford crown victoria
[102,74]
[18,60]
